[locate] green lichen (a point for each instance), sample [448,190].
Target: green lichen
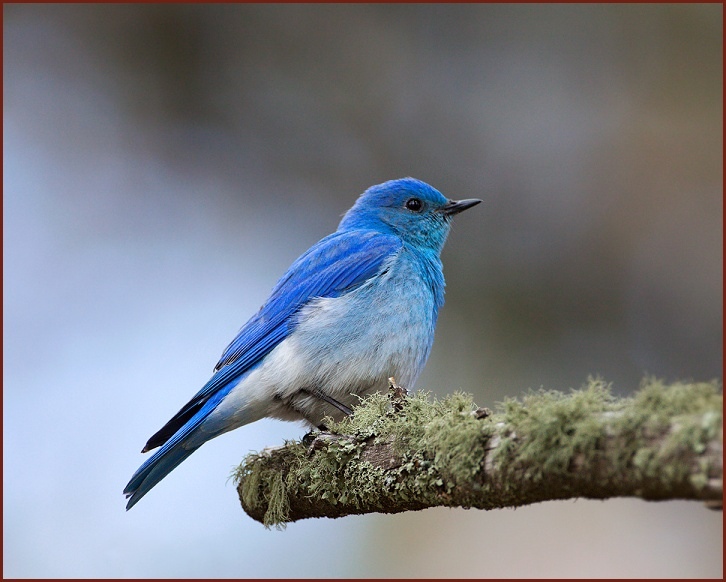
[543,442]
[433,438]
[550,428]
[693,411]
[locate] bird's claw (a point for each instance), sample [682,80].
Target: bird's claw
[397,394]
[323,439]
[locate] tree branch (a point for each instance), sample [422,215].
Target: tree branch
[408,453]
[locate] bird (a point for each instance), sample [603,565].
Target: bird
[356,308]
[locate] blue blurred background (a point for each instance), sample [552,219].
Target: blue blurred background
[163,166]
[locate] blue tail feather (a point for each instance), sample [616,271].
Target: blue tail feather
[176,449]
[154,470]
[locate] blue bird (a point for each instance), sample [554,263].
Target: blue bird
[358,307]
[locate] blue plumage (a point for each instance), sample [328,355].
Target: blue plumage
[356,308]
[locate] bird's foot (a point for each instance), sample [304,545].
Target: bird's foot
[310,436]
[313,433]
[481,413]
[323,439]
[397,394]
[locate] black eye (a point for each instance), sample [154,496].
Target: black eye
[414,204]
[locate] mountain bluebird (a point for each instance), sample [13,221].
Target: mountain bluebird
[358,307]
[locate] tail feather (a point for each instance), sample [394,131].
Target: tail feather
[185,441]
[163,462]
[168,457]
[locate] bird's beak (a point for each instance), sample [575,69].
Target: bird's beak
[455,206]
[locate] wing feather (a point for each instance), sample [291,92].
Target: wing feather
[333,267]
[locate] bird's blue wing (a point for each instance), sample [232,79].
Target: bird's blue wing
[334,266]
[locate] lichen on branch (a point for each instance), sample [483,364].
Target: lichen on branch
[407,453]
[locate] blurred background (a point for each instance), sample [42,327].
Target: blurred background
[163,166]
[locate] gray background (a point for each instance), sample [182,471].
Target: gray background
[163,166]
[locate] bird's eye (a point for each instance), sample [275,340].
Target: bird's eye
[414,204]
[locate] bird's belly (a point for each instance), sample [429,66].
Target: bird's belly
[348,347]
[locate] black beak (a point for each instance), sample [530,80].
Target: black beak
[455,206]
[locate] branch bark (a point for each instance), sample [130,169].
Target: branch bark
[409,453]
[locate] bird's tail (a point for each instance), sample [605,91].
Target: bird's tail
[163,462]
[195,432]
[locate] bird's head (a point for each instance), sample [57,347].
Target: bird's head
[409,208]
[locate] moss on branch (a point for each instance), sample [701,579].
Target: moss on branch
[400,454]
